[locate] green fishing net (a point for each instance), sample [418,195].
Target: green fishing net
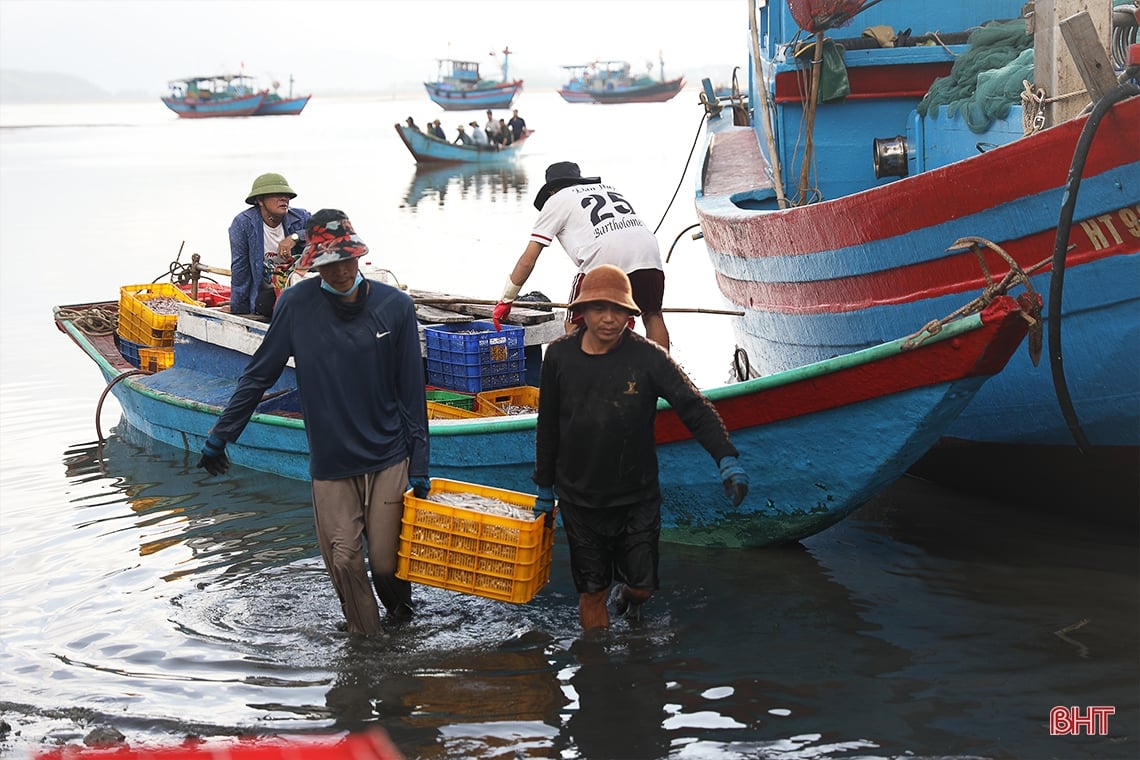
[987,79]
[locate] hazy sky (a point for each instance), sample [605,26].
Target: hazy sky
[138,45]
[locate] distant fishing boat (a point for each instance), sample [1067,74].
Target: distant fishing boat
[430,150]
[459,87]
[277,105]
[230,95]
[855,197]
[211,96]
[612,82]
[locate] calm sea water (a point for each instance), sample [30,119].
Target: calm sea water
[138,593]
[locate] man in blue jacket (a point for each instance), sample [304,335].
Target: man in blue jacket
[360,374]
[262,243]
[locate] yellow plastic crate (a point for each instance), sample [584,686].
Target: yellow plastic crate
[141,324]
[155,359]
[440,411]
[471,551]
[523,395]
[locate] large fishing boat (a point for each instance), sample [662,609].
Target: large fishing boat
[886,171]
[459,86]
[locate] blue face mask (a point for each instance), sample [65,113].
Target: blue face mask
[350,291]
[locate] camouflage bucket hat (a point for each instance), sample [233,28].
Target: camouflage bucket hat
[330,238]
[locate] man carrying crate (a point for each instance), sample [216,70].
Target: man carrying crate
[360,375]
[595,445]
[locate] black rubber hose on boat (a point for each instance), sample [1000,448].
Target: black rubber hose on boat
[1060,249]
[103,396]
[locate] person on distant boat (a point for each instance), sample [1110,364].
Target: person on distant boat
[505,137]
[492,129]
[517,125]
[412,124]
[478,136]
[262,242]
[462,138]
[596,453]
[360,373]
[595,225]
[436,130]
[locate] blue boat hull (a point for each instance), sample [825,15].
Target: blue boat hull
[473,99]
[189,108]
[429,150]
[879,253]
[817,441]
[282,106]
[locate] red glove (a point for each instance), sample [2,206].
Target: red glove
[502,311]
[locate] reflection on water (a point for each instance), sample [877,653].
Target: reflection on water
[164,602]
[466,181]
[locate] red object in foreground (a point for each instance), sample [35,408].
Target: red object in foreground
[373,745]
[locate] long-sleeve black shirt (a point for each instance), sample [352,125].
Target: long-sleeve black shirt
[594,441]
[361,381]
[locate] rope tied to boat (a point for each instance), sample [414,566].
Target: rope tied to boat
[93,321]
[1030,302]
[1033,102]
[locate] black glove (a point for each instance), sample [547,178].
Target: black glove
[420,485]
[735,480]
[214,460]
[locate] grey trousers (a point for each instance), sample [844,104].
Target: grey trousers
[369,506]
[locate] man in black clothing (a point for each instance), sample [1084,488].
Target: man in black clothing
[595,444]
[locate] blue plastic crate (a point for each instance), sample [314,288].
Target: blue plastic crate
[474,356]
[130,349]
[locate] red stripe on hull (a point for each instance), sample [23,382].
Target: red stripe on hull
[1090,240]
[982,352]
[1023,168]
[901,81]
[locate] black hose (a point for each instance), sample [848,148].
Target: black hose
[102,396]
[1061,247]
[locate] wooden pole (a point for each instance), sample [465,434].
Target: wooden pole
[761,86]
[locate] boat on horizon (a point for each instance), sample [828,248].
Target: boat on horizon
[203,97]
[230,95]
[818,440]
[276,104]
[459,86]
[426,149]
[908,202]
[612,82]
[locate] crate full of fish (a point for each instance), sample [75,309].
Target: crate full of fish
[476,540]
[148,313]
[474,356]
[510,401]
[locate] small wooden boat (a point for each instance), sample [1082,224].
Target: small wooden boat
[818,440]
[893,204]
[459,87]
[212,96]
[431,150]
[611,82]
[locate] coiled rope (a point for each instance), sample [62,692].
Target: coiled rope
[93,321]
